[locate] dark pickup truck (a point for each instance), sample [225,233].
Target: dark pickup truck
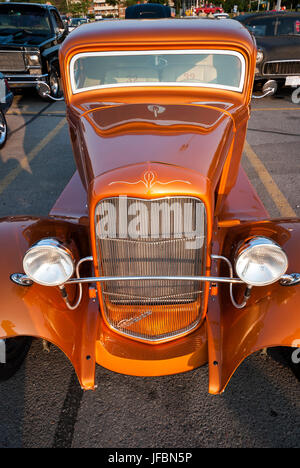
[30,37]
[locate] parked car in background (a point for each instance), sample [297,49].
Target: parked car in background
[147,11]
[278,46]
[158,256]
[221,15]
[6,99]
[66,20]
[209,9]
[30,37]
[75,22]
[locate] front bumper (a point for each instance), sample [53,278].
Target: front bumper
[25,81]
[8,102]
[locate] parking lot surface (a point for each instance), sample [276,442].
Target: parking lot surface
[43,405]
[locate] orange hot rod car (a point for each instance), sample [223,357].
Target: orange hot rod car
[158,256]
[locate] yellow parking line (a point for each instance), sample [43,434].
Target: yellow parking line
[10,177]
[272,188]
[274,109]
[45,113]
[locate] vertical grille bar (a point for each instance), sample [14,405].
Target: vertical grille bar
[148,238]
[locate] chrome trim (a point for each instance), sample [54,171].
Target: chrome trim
[246,295]
[21,279]
[279,61]
[290,280]
[64,292]
[238,89]
[8,50]
[252,242]
[25,75]
[101,279]
[138,293]
[52,244]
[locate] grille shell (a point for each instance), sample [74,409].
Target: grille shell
[285,67]
[153,310]
[12,61]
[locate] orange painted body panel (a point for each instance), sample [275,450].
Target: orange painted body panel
[121,147]
[39,311]
[271,317]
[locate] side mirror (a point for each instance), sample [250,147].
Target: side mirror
[44,91]
[269,88]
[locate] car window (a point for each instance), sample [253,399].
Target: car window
[274,26]
[288,26]
[261,26]
[217,69]
[15,19]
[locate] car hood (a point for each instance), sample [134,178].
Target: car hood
[196,137]
[22,40]
[280,47]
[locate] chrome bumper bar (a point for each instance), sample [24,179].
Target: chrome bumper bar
[24,81]
[101,279]
[26,281]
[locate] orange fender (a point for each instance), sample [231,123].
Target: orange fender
[39,311]
[272,316]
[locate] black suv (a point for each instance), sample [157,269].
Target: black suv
[30,36]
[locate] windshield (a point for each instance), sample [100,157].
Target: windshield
[216,69]
[16,19]
[274,26]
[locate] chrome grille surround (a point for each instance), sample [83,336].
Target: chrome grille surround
[282,67]
[12,61]
[153,310]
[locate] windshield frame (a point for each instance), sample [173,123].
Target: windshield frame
[239,55]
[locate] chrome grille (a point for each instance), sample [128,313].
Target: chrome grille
[150,238]
[12,61]
[291,67]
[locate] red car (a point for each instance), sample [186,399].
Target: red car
[209,9]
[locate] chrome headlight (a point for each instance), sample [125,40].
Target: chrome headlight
[260,261]
[48,263]
[259,56]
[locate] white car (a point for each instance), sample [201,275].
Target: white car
[221,15]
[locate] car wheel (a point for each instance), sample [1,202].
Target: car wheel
[3,129]
[16,350]
[54,82]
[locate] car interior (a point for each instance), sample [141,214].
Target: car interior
[190,68]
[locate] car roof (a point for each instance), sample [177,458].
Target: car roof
[41,5]
[137,11]
[267,14]
[157,32]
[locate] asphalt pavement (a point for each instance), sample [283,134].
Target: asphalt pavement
[43,405]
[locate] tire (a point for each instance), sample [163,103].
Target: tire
[16,351]
[3,129]
[54,82]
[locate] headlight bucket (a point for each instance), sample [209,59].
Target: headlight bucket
[49,263]
[259,56]
[33,59]
[260,261]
